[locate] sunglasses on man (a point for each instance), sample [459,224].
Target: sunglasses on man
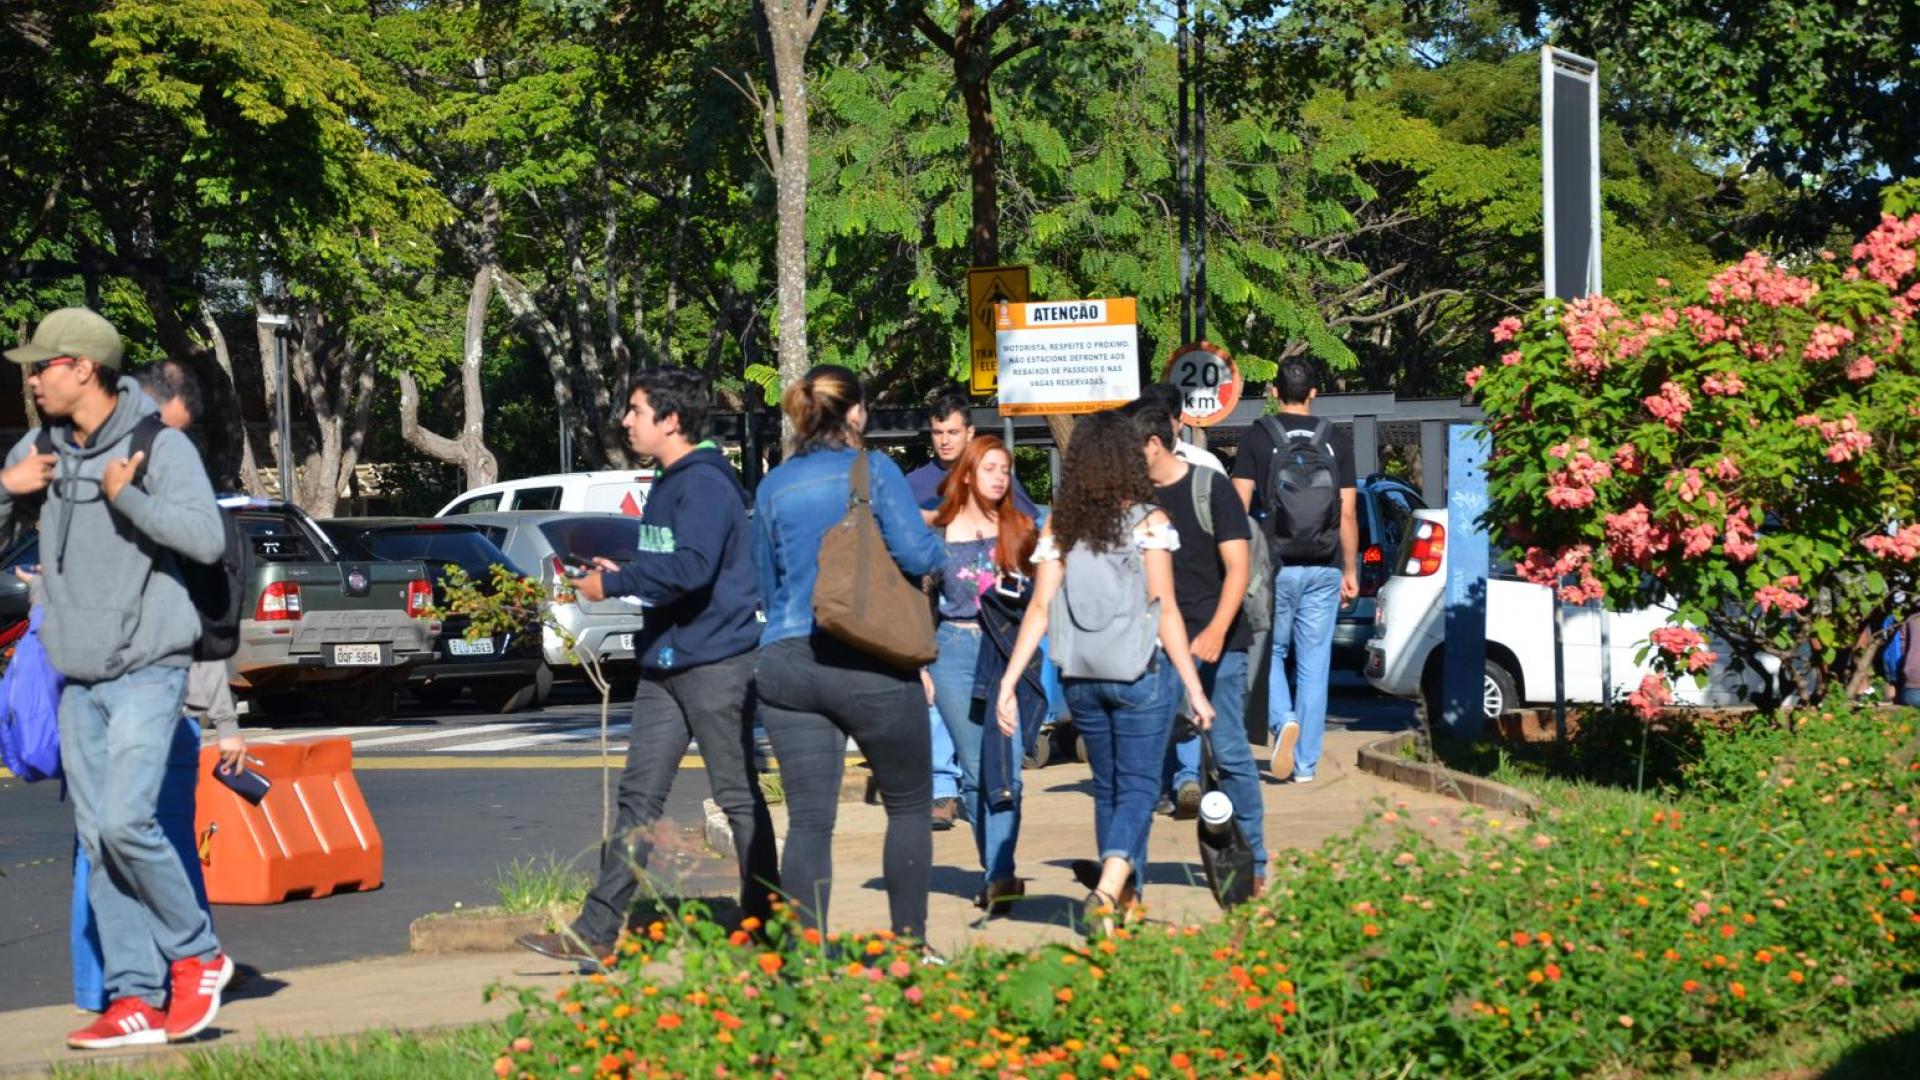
[39,367]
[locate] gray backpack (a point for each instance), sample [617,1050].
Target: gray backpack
[1101,624]
[1257,609]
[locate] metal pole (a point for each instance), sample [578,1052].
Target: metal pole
[1606,653]
[566,443]
[1559,670]
[1200,173]
[284,418]
[1185,196]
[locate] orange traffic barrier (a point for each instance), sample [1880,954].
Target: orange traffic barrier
[311,836]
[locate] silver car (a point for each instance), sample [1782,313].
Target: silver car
[540,542]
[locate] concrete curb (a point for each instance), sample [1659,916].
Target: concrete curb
[1382,759]
[481,930]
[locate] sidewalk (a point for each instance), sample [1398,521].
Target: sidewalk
[426,991]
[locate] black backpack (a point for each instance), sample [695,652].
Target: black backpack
[216,588]
[1303,492]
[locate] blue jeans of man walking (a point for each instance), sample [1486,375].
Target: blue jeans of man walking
[115,740]
[1125,726]
[946,761]
[995,832]
[1306,601]
[1225,682]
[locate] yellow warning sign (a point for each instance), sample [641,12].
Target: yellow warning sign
[987,288]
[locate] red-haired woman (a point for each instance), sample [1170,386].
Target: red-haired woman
[989,541]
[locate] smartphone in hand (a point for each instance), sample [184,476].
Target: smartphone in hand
[244,781]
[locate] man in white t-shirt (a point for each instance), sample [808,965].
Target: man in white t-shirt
[1168,398]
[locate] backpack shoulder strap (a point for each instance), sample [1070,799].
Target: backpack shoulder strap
[42,440]
[145,430]
[1203,497]
[1323,431]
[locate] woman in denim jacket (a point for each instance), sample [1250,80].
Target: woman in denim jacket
[815,692]
[1105,503]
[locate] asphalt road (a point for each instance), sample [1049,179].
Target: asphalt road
[451,829]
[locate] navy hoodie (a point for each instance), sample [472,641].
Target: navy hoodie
[695,567]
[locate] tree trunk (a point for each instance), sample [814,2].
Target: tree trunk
[790,28]
[469,450]
[249,468]
[983,161]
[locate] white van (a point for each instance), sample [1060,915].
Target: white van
[623,492]
[1404,656]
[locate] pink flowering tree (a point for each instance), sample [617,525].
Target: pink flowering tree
[1749,453]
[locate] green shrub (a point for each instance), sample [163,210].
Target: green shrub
[1774,889]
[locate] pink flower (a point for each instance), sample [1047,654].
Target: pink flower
[1826,341]
[1506,329]
[1571,488]
[1688,482]
[1740,543]
[1633,538]
[899,969]
[1474,376]
[1711,327]
[1670,405]
[1698,539]
[1861,369]
[1844,438]
[1510,358]
[1903,545]
[915,995]
[1585,324]
[1780,595]
[1627,459]
[1757,278]
[1726,471]
[1676,640]
[1541,568]
[1889,250]
[1719,385]
[1653,695]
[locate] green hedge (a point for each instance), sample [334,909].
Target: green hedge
[1775,890]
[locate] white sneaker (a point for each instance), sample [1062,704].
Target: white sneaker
[1282,760]
[1301,778]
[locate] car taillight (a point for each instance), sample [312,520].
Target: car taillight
[279,602]
[419,598]
[1429,549]
[1372,568]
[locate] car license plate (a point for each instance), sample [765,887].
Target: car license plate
[356,655]
[626,642]
[463,647]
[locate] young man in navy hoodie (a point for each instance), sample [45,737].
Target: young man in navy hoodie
[694,572]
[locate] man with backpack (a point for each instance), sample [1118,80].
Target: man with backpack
[1212,572]
[1296,473]
[115,526]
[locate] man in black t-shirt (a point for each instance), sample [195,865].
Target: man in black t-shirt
[1315,539]
[1210,572]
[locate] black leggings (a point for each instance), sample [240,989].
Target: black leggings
[814,693]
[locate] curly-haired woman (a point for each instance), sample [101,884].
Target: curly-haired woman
[1105,531]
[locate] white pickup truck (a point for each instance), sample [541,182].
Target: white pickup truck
[1404,655]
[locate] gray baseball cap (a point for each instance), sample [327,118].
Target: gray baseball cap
[71,331]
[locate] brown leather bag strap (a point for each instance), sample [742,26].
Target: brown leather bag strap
[858,490]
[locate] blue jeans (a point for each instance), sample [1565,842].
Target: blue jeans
[1911,696]
[1306,600]
[995,832]
[1225,682]
[115,739]
[1126,726]
[176,820]
[946,761]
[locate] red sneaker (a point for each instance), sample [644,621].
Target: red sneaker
[196,995]
[127,1022]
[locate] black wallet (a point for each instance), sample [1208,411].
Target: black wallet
[244,782]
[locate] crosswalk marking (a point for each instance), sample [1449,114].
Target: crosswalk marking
[438,733]
[524,741]
[271,736]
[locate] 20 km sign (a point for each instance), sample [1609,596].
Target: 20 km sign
[1205,374]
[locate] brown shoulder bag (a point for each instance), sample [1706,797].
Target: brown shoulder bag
[861,597]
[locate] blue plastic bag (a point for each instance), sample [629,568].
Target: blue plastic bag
[30,709]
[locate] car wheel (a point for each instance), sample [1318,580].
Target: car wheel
[1498,694]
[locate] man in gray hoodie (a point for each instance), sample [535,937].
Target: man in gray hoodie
[121,627]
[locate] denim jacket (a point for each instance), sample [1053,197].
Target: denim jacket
[798,502]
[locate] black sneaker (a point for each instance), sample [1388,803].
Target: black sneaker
[946,811]
[565,947]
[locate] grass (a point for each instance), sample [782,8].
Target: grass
[386,1055]
[536,886]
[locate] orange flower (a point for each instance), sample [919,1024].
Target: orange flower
[622,1011]
[1553,972]
[1737,990]
[1522,939]
[609,1063]
[1727,930]
[1763,957]
[771,963]
[668,1021]
[1796,978]
[1689,986]
[812,937]
[750,924]
[1535,977]
[1109,1062]
[739,937]
[1181,1060]
[726,1019]
[1063,995]
[1370,930]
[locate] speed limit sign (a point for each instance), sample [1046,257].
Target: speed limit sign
[1206,376]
